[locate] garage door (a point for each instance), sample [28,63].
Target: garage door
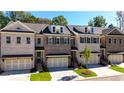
[115,58]
[57,62]
[17,64]
[94,59]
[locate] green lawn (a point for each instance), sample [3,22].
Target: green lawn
[79,72]
[117,68]
[43,76]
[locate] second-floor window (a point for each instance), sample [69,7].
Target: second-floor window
[50,40]
[28,40]
[39,41]
[110,41]
[8,39]
[82,40]
[115,41]
[120,41]
[88,40]
[18,40]
[57,40]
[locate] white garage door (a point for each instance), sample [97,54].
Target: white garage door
[57,62]
[94,59]
[17,64]
[115,58]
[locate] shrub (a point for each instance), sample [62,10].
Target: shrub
[86,72]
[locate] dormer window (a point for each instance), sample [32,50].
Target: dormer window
[54,29]
[61,29]
[92,30]
[86,30]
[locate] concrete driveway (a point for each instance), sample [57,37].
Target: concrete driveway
[103,71]
[121,65]
[23,75]
[63,74]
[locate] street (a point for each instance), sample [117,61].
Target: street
[108,78]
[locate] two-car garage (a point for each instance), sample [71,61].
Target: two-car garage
[94,59]
[116,58]
[17,64]
[57,62]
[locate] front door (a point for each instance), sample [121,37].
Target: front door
[73,57]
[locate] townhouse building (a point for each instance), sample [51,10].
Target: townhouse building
[87,37]
[17,47]
[29,45]
[112,45]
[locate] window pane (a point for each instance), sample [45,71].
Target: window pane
[18,40]
[8,39]
[28,40]
[39,41]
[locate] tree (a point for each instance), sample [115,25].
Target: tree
[26,17]
[110,26]
[90,23]
[98,21]
[87,54]
[120,19]
[59,20]
[21,16]
[44,21]
[3,20]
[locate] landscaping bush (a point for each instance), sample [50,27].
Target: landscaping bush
[86,72]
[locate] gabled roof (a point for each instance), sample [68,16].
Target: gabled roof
[37,28]
[31,27]
[81,29]
[17,27]
[112,31]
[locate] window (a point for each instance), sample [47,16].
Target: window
[94,40]
[50,41]
[115,41]
[8,39]
[65,40]
[92,30]
[82,40]
[38,40]
[28,40]
[88,40]
[61,29]
[18,40]
[110,41]
[54,29]
[86,29]
[38,54]
[57,40]
[120,41]
[62,40]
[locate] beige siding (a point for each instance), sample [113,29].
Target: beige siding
[13,47]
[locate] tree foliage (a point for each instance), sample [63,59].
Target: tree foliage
[26,17]
[110,26]
[3,20]
[59,20]
[98,21]
[87,54]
